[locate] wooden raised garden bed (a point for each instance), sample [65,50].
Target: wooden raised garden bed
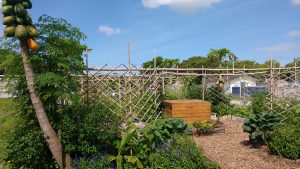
[189,110]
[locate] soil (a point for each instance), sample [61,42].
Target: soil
[232,150]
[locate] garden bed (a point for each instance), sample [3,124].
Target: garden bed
[230,150]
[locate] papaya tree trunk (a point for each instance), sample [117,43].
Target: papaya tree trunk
[50,135]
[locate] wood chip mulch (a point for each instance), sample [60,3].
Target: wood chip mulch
[231,151]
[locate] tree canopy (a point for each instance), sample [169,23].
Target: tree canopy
[161,62]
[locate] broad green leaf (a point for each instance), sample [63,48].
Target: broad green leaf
[126,138]
[119,162]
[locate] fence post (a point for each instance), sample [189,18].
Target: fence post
[87,75]
[271,82]
[203,84]
[295,65]
[129,79]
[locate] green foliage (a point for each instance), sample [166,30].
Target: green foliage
[259,126]
[162,62]
[222,109]
[187,90]
[130,160]
[28,143]
[59,58]
[241,111]
[89,130]
[217,56]
[180,152]
[259,102]
[285,140]
[220,102]
[195,62]
[204,128]
[8,121]
[161,130]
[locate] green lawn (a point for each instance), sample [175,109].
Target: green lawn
[7,122]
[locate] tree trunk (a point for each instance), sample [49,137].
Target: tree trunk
[50,135]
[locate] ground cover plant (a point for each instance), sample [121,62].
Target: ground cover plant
[8,121]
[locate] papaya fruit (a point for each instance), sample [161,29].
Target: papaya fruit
[9,20]
[27,19]
[20,20]
[27,4]
[7,10]
[4,3]
[19,9]
[32,32]
[21,32]
[32,44]
[9,31]
[12,1]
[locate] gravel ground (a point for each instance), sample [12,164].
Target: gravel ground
[231,151]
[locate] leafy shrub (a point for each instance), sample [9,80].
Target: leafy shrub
[180,152]
[204,128]
[286,139]
[222,109]
[259,126]
[241,111]
[27,144]
[259,102]
[89,130]
[159,130]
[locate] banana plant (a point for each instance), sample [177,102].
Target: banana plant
[131,159]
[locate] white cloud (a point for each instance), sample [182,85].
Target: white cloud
[293,33]
[283,47]
[109,31]
[295,2]
[181,5]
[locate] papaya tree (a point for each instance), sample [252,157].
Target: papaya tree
[19,26]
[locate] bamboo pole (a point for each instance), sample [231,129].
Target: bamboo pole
[203,85]
[271,82]
[185,69]
[87,77]
[295,67]
[129,79]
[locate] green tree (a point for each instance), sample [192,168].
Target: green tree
[292,64]
[267,64]
[241,63]
[162,63]
[217,56]
[195,62]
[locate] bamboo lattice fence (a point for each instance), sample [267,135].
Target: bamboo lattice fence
[136,93]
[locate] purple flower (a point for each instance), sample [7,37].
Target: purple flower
[98,155]
[84,157]
[105,155]
[76,161]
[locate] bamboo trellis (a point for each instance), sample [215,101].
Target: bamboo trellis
[136,92]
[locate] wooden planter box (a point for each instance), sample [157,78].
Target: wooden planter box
[189,110]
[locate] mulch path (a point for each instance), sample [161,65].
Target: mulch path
[231,151]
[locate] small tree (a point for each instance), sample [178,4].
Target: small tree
[19,25]
[217,56]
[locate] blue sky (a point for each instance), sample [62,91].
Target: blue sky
[181,28]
